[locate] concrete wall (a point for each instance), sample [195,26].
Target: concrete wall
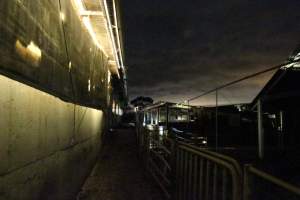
[47,146]
[54,54]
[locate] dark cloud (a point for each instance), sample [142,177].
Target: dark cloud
[177,49]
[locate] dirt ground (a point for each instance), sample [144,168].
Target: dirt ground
[118,174]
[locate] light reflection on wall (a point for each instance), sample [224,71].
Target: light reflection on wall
[31,53]
[62,16]
[96,118]
[89,85]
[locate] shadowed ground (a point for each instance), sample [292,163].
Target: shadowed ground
[118,174]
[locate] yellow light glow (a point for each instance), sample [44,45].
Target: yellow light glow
[108,77]
[88,25]
[62,16]
[89,85]
[31,53]
[112,62]
[103,14]
[112,66]
[34,49]
[70,66]
[79,5]
[91,13]
[113,107]
[87,22]
[161,130]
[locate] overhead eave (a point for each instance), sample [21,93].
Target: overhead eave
[101,19]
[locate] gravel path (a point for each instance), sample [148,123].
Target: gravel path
[118,174]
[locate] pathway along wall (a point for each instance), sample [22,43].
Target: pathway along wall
[53,97]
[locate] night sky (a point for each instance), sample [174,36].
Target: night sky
[178,49]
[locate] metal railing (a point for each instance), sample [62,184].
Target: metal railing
[217,155]
[184,171]
[157,156]
[200,175]
[280,189]
[187,172]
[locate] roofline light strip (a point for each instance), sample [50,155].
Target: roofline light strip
[117,31]
[111,33]
[86,21]
[89,27]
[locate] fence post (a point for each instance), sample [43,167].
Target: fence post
[246,183]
